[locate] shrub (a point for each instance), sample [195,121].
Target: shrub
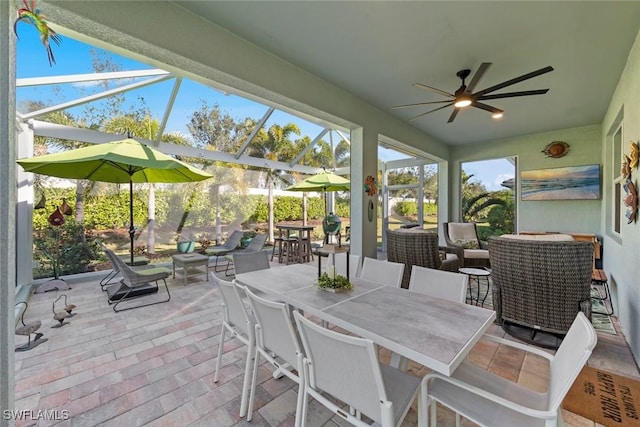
[406,208]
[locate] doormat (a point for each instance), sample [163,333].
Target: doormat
[606,398]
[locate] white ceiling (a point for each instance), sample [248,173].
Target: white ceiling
[377,50]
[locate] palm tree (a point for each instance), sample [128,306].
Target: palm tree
[475,198]
[274,144]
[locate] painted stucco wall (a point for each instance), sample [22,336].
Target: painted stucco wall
[622,253]
[574,216]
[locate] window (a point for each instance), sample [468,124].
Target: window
[615,170]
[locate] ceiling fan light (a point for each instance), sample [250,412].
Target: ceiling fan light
[462,102]
[497,115]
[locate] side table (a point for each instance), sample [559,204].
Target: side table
[476,274]
[189,264]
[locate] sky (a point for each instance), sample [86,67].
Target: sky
[73,57]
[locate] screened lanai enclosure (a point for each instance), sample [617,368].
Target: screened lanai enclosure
[252,149]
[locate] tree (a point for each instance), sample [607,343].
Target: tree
[215,130]
[274,144]
[476,199]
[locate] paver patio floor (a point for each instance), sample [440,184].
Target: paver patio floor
[154,366]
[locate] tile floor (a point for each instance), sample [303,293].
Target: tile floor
[153,366]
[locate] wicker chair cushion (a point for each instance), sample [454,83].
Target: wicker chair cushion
[463,231]
[468,244]
[549,237]
[476,254]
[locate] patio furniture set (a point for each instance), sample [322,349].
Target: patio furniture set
[275,328]
[342,371]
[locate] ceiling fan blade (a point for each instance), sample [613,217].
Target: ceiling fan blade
[418,104]
[513,94]
[486,107]
[433,89]
[514,80]
[477,76]
[453,115]
[431,111]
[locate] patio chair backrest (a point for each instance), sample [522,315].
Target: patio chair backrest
[462,231]
[234,311]
[257,243]
[245,262]
[570,358]
[439,283]
[232,241]
[343,366]
[112,259]
[275,331]
[384,272]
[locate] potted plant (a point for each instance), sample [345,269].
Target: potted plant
[185,244]
[247,236]
[333,282]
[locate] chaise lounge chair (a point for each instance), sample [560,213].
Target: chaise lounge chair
[231,244]
[135,284]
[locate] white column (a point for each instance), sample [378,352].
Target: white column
[386,209]
[24,210]
[364,161]
[420,196]
[7,207]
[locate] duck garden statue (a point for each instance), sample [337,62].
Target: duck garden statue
[59,315]
[28,328]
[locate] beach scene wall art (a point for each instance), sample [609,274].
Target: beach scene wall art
[568,183]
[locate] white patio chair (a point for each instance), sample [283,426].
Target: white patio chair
[341,264]
[384,272]
[240,324]
[347,369]
[439,283]
[276,341]
[490,400]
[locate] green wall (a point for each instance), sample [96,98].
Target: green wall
[574,216]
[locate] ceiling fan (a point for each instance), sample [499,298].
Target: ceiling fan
[465,97]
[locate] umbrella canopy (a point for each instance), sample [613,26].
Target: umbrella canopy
[323,181]
[120,161]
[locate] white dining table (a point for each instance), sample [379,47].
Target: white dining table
[430,331]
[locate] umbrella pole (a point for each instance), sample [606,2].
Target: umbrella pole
[132,229]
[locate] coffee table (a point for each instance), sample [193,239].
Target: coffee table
[477,273]
[191,265]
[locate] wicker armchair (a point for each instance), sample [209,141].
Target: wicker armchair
[416,246]
[462,239]
[540,284]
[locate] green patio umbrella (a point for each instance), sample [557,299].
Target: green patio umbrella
[323,181]
[120,162]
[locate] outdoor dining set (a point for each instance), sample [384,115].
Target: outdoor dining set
[283,317]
